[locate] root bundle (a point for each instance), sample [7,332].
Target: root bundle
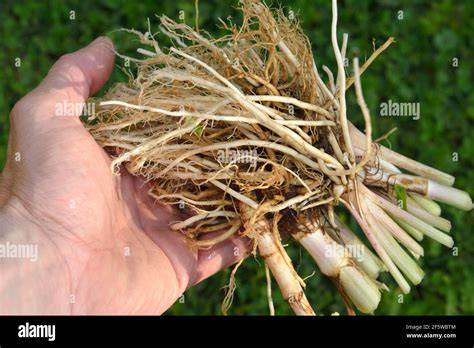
[243,134]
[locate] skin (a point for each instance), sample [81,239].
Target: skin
[104,247]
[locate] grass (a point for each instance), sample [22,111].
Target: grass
[417,68]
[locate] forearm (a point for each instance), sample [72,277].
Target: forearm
[32,277]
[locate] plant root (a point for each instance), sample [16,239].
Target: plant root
[243,135]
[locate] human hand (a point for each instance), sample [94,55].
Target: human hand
[104,246]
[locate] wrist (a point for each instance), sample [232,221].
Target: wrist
[33,276]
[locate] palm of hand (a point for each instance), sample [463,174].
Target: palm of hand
[116,250]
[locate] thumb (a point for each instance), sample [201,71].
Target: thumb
[82,73]
[36,131]
[71,80]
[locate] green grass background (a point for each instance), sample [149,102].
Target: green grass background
[417,68]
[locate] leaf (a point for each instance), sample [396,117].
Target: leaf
[401,194]
[199,130]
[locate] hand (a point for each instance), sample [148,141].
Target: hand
[103,245]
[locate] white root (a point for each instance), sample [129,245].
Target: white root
[270,251]
[427,204]
[388,167]
[290,288]
[293,101]
[402,161]
[334,260]
[368,261]
[328,72]
[341,79]
[371,233]
[434,220]
[287,135]
[411,230]
[449,195]
[365,292]
[244,199]
[420,185]
[180,225]
[222,237]
[404,262]
[268,278]
[209,95]
[389,225]
[238,143]
[411,220]
[366,114]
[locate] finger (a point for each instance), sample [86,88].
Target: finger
[71,80]
[40,129]
[221,256]
[82,73]
[191,266]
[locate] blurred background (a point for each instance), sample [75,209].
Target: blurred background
[431,37]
